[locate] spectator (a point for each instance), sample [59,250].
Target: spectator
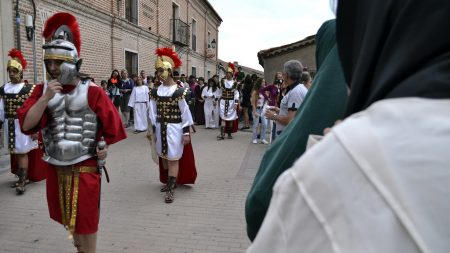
[295,93]
[127,87]
[258,103]
[245,102]
[378,181]
[114,87]
[327,98]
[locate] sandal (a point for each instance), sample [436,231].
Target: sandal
[220,137]
[16,184]
[230,137]
[169,197]
[166,188]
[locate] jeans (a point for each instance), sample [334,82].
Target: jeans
[256,119]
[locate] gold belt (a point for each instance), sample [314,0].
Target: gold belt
[67,174]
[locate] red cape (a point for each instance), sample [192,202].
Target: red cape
[187,172]
[37,168]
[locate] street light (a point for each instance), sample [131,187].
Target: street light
[213,43]
[29,27]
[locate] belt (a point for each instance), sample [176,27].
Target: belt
[141,102]
[258,107]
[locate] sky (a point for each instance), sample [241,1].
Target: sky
[250,26]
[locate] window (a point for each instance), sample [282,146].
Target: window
[175,11]
[194,71]
[209,39]
[131,11]
[194,35]
[131,62]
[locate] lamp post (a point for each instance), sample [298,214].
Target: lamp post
[213,45]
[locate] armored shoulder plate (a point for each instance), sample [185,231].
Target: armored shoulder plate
[180,93]
[154,93]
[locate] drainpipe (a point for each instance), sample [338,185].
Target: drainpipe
[18,46]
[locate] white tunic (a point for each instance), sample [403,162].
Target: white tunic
[174,130]
[379,182]
[139,100]
[232,106]
[211,111]
[23,143]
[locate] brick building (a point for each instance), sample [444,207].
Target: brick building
[272,59]
[119,34]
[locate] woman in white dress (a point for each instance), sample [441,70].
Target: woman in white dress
[211,95]
[139,100]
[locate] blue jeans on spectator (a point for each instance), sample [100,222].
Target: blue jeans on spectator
[256,118]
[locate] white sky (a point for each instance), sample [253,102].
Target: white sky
[250,26]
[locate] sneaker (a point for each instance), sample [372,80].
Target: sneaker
[264,142]
[255,141]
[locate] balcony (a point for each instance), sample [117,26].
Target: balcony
[180,32]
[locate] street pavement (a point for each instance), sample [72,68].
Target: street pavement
[206,217]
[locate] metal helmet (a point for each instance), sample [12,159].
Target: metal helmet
[168,60]
[16,62]
[63,36]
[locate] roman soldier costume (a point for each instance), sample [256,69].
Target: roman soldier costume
[229,101]
[171,119]
[72,125]
[12,96]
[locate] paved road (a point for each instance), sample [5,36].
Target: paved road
[205,217]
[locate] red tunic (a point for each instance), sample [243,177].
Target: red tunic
[111,129]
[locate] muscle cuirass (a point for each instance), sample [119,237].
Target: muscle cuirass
[228,93]
[70,135]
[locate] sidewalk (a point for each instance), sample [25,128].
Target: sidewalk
[207,217]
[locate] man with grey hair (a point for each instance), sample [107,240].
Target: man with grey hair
[295,94]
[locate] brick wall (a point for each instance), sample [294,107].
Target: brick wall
[106,34]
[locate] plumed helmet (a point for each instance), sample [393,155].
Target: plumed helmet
[231,68]
[63,43]
[17,61]
[167,59]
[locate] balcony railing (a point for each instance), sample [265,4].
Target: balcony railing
[180,32]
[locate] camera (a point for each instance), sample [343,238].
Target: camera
[279,81]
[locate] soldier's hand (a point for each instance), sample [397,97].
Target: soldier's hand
[53,87]
[186,139]
[102,154]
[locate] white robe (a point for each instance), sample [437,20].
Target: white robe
[379,182]
[232,106]
[139,100]
[23,143]
[174,130]
[211,111]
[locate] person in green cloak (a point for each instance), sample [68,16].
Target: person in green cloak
[324,104]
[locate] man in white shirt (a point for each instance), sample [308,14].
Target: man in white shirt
[295,94]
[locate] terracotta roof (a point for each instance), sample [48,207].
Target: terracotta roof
[274,51]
